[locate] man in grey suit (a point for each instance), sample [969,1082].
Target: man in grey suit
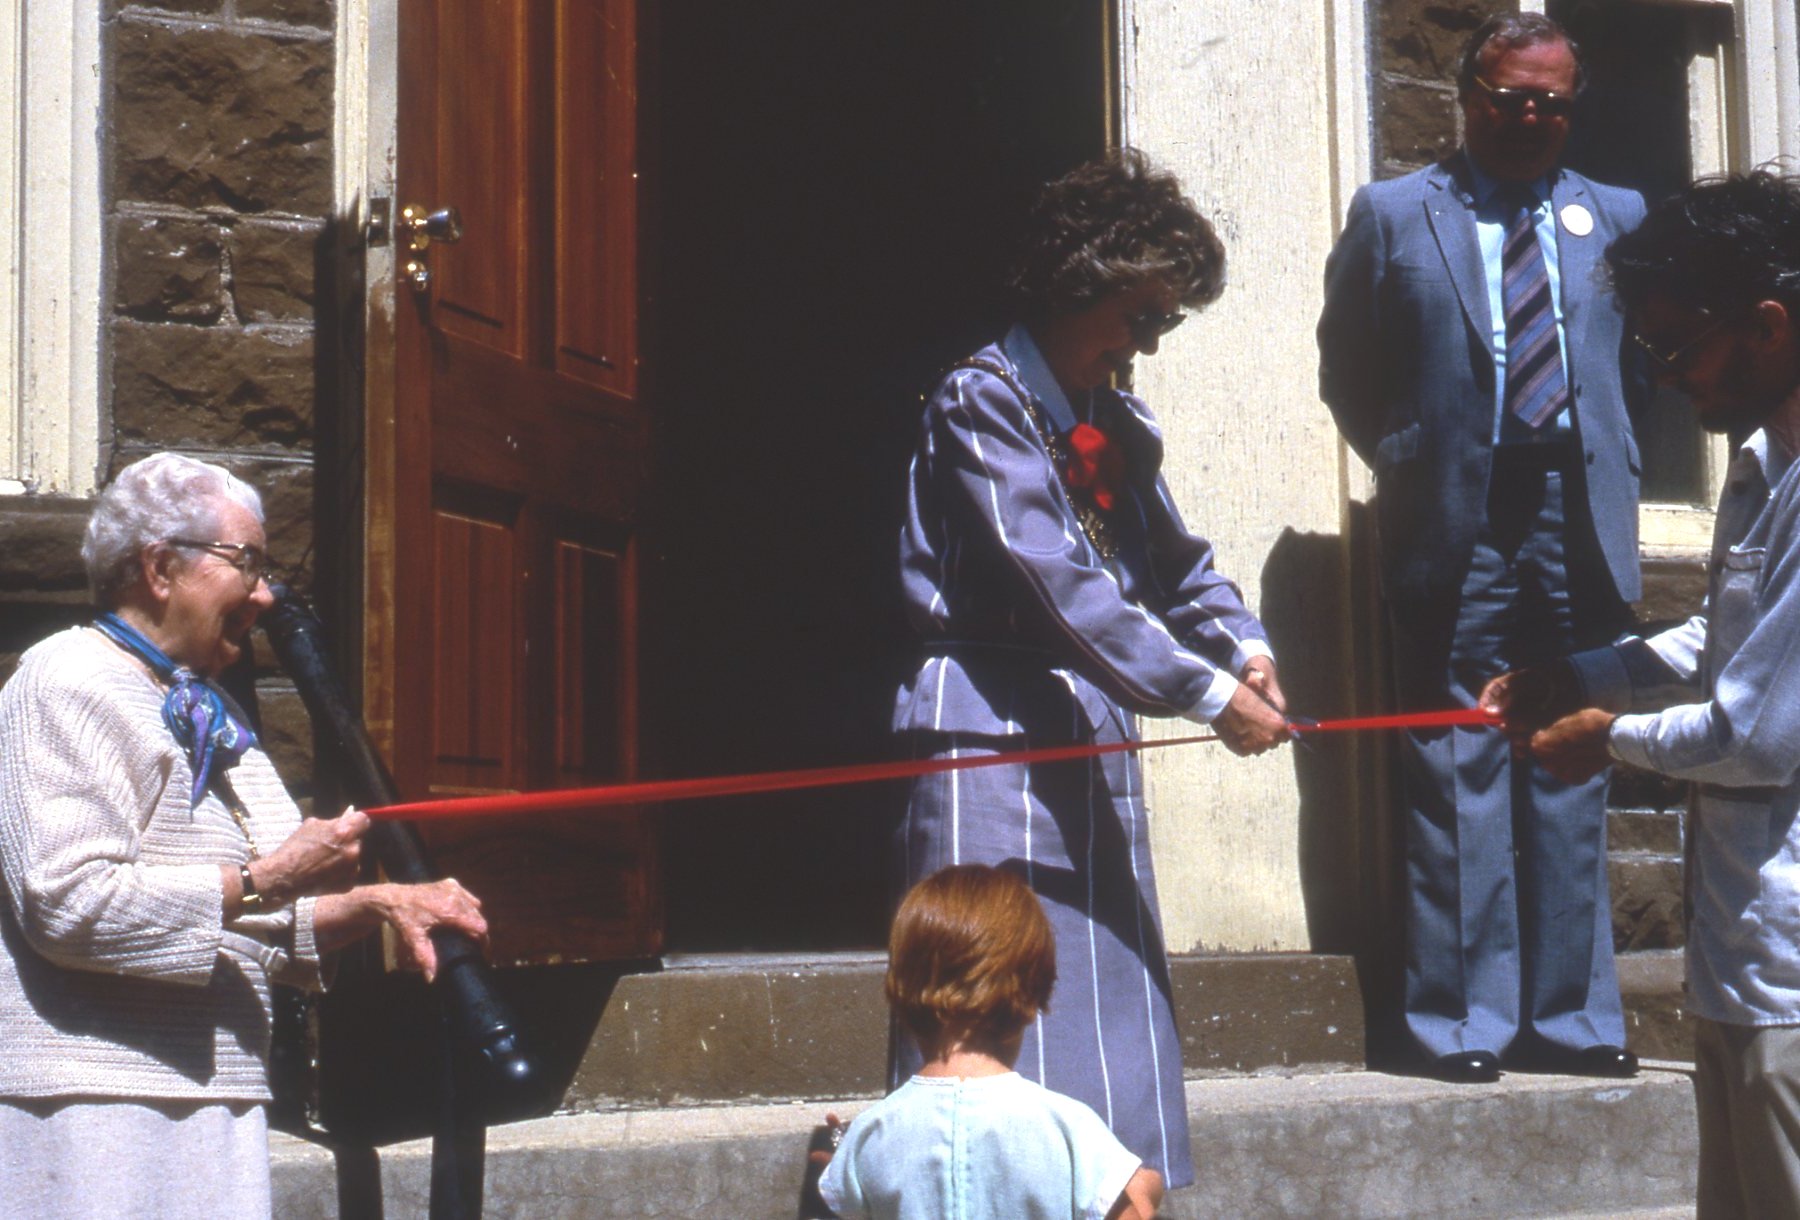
[1472,354]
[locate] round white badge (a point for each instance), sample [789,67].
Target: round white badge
[1577,220]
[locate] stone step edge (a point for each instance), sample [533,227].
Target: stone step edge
[1271,1145]
[675,1125]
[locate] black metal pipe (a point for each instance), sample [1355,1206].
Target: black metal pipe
[494,1069]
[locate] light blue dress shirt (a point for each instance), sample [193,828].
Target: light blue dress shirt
[980,1148]
[1491,216]
[1739,743]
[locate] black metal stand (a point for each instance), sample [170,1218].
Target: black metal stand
[485,1075]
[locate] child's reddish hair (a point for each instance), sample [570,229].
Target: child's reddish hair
[971,958]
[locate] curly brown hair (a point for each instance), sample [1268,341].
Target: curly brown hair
[1105,228]
[971,958]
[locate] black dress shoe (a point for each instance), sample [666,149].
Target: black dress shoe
[1467,1067]
[1603,1059]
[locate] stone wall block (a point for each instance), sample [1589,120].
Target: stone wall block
[272,272]
[40,548]
[1414,124]
[1424,38]
[287,496]
[166,270]
[287,736]
[211,388]
[319,14]
[209,117]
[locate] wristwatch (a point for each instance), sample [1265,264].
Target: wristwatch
[253,899]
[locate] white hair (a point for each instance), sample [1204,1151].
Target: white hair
[165,495]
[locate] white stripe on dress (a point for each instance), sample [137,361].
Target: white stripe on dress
[1093,946]
[1076,638]
[1131,808]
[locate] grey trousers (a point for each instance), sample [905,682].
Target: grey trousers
[1508,921]
[1747,1093]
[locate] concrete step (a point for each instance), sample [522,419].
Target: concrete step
[1657,1023]
[1341,1145]
[1645,830]
[1646,900]
[744,1028]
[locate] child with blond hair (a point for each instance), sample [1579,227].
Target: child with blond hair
[971,962]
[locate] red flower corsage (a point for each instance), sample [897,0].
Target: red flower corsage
[1096,464]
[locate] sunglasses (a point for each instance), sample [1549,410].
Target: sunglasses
[251,561]
[1147,327]
[1512,102]
[1673,359]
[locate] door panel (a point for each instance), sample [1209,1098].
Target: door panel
[521,459]
[483,143]
[592,597]
[475,615]
[596,221]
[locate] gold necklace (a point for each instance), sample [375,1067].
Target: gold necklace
[229,798]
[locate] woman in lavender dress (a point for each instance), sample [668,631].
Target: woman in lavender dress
[1058,596]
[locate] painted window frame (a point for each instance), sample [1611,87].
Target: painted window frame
[50,332]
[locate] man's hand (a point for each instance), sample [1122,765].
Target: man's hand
[1259,676]
[1530,699]
[1249,724]
[1574,748]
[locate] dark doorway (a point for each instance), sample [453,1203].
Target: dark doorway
[1632,129]
[830,193]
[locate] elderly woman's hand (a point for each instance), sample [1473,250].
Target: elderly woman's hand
[322,857]
[414,910]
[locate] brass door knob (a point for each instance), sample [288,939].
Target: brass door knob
[421,228]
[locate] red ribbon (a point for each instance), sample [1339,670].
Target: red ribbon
[823,777]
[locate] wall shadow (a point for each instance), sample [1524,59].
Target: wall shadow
[1322,607]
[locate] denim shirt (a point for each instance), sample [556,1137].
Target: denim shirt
[1739,742]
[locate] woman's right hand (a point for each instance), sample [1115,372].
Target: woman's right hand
[415,911]
[1250,724]
[322,857]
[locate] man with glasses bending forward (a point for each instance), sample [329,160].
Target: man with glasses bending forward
[1712,281]
[1472,354]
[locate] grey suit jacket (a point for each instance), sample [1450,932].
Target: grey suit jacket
[1406,368]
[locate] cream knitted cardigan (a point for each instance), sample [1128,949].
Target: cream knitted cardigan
[118,978]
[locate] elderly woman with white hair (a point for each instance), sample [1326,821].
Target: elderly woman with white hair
[158,877]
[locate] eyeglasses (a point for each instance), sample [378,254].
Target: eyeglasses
[251,561]
[1672,360]
[1147,327]
[1511,102]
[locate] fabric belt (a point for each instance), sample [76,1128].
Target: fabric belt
[1557,454]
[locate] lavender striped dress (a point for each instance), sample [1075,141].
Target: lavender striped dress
[1032,639]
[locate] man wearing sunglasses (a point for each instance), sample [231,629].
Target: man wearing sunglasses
[1712,280]
[1472,355]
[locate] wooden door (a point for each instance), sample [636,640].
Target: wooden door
[503,620]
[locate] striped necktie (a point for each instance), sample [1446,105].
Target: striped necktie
[1536,391]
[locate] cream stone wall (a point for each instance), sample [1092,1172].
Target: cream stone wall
[1266,123]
